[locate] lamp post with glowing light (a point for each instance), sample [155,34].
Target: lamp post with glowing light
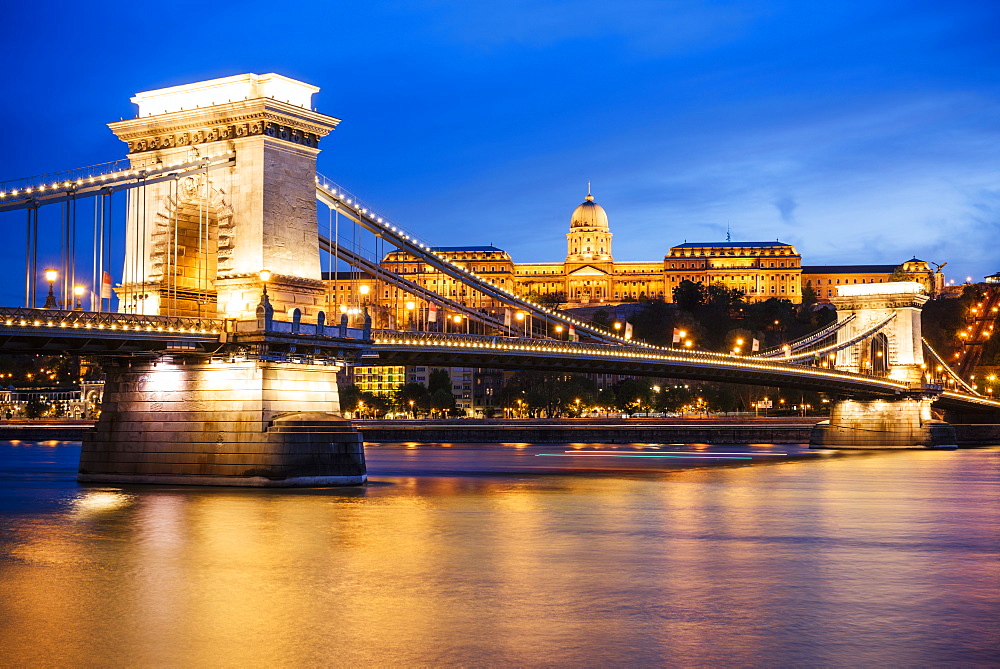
[410,306]
[680,337]
[51,275]
[265,276]
[265,312]
[78,292]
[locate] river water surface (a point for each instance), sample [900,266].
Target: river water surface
[512,555]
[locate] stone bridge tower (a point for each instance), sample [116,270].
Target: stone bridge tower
[195,245]
[895,352]
[263,408]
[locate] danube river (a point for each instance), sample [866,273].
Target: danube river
[528,555]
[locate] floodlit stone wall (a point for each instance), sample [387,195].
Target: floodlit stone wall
[222,423]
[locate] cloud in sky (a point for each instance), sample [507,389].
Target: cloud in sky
[862,132]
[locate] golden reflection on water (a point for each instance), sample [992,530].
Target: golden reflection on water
[842,560]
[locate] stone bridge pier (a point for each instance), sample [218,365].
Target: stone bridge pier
[895,352]
[198,247]
[203,420]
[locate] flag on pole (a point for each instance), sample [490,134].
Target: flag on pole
[677,336]
[506,318]
[628,330]
[106,286]
[432,314]
[756,346]
[572,333]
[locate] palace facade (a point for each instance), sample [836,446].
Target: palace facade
[589,274]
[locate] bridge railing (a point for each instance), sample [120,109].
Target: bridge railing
[65,178]
[420,338]
[305,329]
[59,318]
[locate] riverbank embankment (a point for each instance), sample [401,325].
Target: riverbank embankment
[711,430]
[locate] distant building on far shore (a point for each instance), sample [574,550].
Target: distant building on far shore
[824,279]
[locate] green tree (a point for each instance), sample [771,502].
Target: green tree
[35,409]
[689,296]
[899,275]
[633,395]
[349,397]
[654,323]
[411,396]
[809,296]
[442,401]
[439,379]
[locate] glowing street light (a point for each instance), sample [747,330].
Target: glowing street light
[51,275]
[78,292]
[265,276]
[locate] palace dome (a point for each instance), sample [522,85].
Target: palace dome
[589,215]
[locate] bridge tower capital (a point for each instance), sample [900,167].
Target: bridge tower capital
[195,244]
[896,350]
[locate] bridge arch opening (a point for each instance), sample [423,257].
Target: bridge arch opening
[875,355]
[190,249]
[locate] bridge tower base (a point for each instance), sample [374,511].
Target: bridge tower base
[197,421]
[883,424]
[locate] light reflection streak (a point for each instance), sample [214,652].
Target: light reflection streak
[99,501]
[681,452]
[639,455]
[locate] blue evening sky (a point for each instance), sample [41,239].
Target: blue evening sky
[861,132]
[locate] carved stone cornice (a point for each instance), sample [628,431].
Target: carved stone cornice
[232,120]
[888,301]
[277,281]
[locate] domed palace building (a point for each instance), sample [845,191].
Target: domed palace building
[589,275]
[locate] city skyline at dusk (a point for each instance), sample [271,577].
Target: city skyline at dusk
[863,133]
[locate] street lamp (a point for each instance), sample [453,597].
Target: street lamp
[412,414]
[51,275]
[78,291]
[265,276]
[410,306]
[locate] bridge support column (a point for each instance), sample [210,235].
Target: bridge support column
[197,421]
[883,424]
